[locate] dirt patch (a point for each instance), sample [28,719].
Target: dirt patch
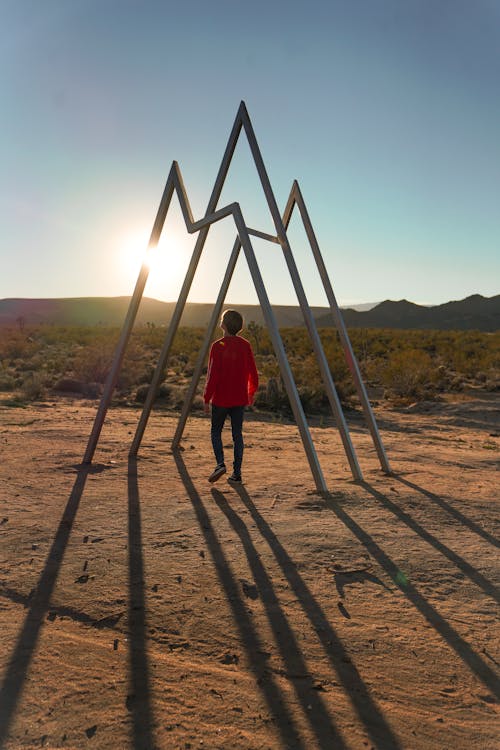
[142,607]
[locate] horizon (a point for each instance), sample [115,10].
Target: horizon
[228,303]
[404,106]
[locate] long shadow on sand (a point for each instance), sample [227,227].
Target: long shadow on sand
[139,700]
[445,630]
[368,712]
[472,525]
[17,669]
[313,707]
[249,637]
[474,575]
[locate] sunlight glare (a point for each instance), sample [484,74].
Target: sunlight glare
[167,262]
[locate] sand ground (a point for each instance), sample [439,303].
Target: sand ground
[141,607]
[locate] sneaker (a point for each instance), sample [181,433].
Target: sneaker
[235,478]
[216,474]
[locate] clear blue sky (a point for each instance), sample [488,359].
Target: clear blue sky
[386,111]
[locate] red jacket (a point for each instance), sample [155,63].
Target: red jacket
[232,377]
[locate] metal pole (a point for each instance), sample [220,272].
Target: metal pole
[129,321]
[198,249]
[296,197]
[286,372]
[306,310]
[204,224]
[206,344]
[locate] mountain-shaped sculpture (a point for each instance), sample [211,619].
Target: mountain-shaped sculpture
[242,241]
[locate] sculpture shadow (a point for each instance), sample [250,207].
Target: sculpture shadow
[472,573]
[312,704]
[139,699]
[369,713]
[472,525]
[461,647]
[248,635]
[38,605]
[343,578]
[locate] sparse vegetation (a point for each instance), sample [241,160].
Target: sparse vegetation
[399,366]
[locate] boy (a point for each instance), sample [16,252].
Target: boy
[232,380]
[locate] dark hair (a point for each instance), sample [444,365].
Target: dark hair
[233,321]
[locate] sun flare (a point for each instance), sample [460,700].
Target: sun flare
[167,262]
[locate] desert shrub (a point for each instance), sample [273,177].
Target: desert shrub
[406,364]
[72,386]
[273,396]
[15,344]
[163,394]
[33,387]
[314,400]
[255,334]
[410,374]
[93,363]
[7,381]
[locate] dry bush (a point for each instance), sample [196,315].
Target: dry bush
[8,381]
[92,364]
[33,387]
[410,374]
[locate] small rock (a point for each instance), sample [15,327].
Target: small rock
[250,590]
[230,659]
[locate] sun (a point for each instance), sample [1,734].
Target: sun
[167,262]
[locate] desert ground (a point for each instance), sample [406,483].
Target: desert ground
[142,607]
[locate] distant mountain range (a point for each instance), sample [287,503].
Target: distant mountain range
[473,313]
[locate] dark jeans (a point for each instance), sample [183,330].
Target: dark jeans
[219,414]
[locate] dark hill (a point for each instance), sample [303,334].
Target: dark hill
[111,311]
[473,313]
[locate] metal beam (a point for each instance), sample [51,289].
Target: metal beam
[306,310]
[284,365]
[200,362]
[129,320]
[296,198]
[212,215]
[264,236]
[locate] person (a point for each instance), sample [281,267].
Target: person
[232,381]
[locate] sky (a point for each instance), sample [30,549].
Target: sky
[387,112]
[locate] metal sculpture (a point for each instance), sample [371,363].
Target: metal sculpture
[202,226]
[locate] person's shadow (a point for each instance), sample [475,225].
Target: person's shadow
[313,706]
[249,637]
[369,713]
